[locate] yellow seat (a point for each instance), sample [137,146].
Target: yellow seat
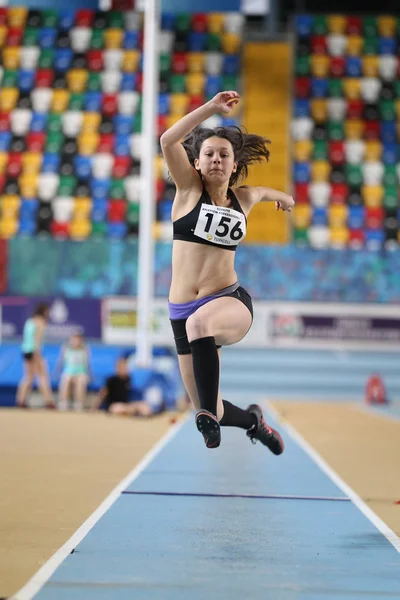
[355,45]
[320,170]
[215,22]
[88,143]
[31,162]
[195,83]
[113,37]
[130,61]
[59,101]
[171,120]
[231,42]
[337,23]
[354,129]
[373,150]
[337,215]
[11,57]
[8,99]
[82,208]
[397,107]
[77,79]
[90,122]
[28,185]
[8,228]
[319,110]
[339,236]
[386,26]
[370,66]
[196,62]
[178,104]
[302,150]
[80,229]
[320,65]
[10,204]
[158,167]
[351,88]
[17,16]
[3,161]
[372,195]
[302,216]
[3,35]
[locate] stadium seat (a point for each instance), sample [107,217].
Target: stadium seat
[318,236]
[336,108]
[337,23]
[336,44]
[355,45]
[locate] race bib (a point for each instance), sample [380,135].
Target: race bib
[220,225]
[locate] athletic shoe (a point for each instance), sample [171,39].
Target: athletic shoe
[209,427]
[263,432]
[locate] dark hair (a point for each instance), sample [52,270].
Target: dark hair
[248,148]
[41,309]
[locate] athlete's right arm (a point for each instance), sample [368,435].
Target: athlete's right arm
[182,172]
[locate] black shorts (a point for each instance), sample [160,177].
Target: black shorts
[179,325]
[28,356]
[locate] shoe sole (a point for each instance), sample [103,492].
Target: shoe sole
[210,429]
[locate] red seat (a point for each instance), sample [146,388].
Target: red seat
[302,87]
[35,141]
[355,109]
[372,130]
[160,189]
[339,193]
[2,183]
[356,237]
[162,125]
[195,102]
[106,143]
[4,121]
[44,78]
[3,16]
[121,166]
[354,26]
[84,17]
[199,22]
[14,165]
[60,230]
[179,62]
[318,44]
[139,82]
[95,60]
[14,36]
[336,152]
[338,65]
[117,211]
[110,104]
[301,193]
[374,218]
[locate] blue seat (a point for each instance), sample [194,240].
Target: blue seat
[39,121]
[5,139]
[320,216]
[319,87]
[197,41]
[27,227]
[163,104]
[26,80]
[63,59]
[47,37]
[51,163]
[301,172]
[99,210]
[82,166]
[374,238]
[387,45]
[353,66]
[390,154]
[66,19]
[301,107]
[28,209]
[128,82]
[356,216]
[388,132]
[231,64]
[123,124]
[117,230]
[131,40]
[122,145]
[93,101]
[164,210]
[168,21]
[99,188]
[213,85]
[229,122]
[303,25]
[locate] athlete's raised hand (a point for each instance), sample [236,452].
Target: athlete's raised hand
[225,101]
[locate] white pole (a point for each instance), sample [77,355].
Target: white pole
[147,202]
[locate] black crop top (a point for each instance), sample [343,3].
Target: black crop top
[212,225]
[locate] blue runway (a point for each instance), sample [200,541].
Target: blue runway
[229,524]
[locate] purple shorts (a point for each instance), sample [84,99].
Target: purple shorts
[184,310]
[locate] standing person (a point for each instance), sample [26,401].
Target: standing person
[75,363]
[208,308]
[34,363]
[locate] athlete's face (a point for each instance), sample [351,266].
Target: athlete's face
[217,160]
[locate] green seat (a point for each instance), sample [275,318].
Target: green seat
[353,175]
[93,82]
[54,123]
[9,79]
[213,42]
[67,185]
[117,189]
[115,19]
[49,18]
[165,62]
[177,84]
[370,26]
[76,101]
[132,217]
[389,176]
[335,88]
[371,45]
[30,36]
[396,86]
[46,58]
[320,150]
[138,122]
[54,142]
[97,40]
[98,230]
[183,22]
[230,82]
[300,237]
[319,26]
[335,130]
[302,65]
[387,110]
[390,197]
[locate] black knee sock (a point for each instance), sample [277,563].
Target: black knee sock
[206,372]
[237,417]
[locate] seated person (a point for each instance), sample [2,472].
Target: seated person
[75,363]
[116,395]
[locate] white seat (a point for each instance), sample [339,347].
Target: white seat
[41,99]
[337,108]
[233,22]
[213,63]
[319,192]
[20,120]
[373,171]
[212,122]
[354,151]
[113,59]
[111,81]
[136,143]
[63,207]
[72,122]
[318,236]
[128,103]
[102,165]
[166,41]
[336,44]
[370,88]
[29,56]
[80,38]
[166,231]
[133,20]
[387,66]
[302,128]
[133,188]
[48,186]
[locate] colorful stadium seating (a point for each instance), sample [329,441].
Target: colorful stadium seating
[345,131]
[70,113]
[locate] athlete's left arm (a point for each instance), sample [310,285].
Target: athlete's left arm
[258,194]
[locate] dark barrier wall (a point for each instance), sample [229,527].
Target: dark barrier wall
[99,268]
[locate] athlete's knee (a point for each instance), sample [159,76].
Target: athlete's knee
[197,327]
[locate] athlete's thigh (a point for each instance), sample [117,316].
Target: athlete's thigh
[226,318]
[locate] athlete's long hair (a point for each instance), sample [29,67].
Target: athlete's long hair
[248,148]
